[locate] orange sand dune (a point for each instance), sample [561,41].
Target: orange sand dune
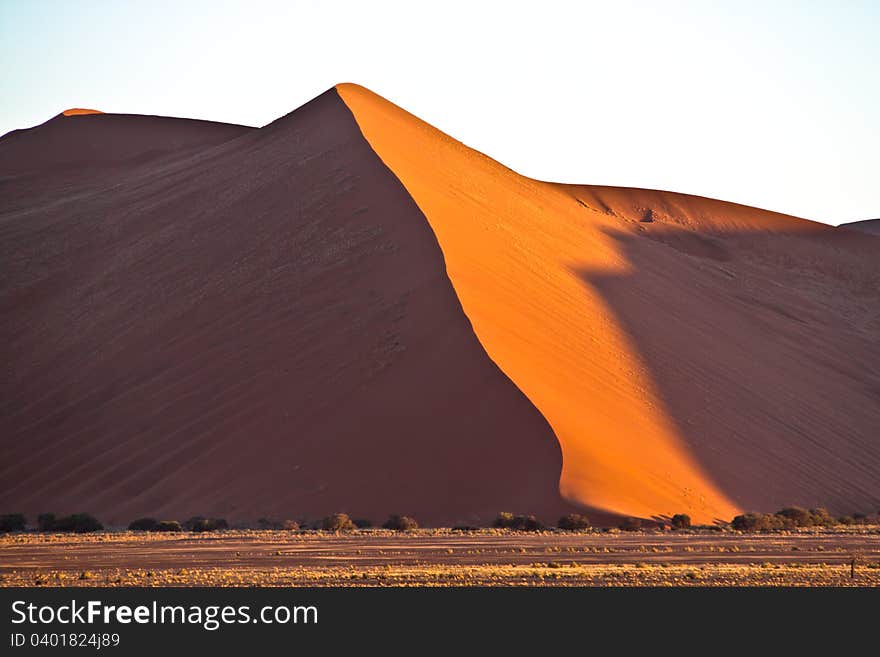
[260,326]
[77,111]
[531,263]
[347,310]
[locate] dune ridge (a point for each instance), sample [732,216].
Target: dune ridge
[93,140]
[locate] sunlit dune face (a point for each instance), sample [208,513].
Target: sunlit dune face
[78,111]
[515,251]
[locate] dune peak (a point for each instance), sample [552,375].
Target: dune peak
[78,111]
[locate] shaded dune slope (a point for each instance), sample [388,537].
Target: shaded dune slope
[869,226]
[263,327]
[760,332]
[691,355]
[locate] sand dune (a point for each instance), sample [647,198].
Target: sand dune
[348,310]
[690,355]
[264,328]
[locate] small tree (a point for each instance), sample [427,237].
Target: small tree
[822,517]
[79,523]
[521,523]
[631,524]
[400,523]
[338,522]
[796,516]
[200,524]
[46,522]
[574,522]
[143,525]
[759,522]
[680,521]
[528,524]
[12,522]
[504,520]
[168,526]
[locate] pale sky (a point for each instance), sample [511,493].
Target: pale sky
[772,104]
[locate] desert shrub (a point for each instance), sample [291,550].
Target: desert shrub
[521,523]
[143,525]
[362,523]
[788,518]
[746,522]
[528,524]
[846,520]
[758,522]
[821,517]
[465,528]
[680,521]
[277,525]
[796,516]
[195,524]
[167,526]
[860,518]
[199,524]
[338,522]
[504,520]
[79,523]
[12,522]
[400,523]
[631,525]
[45,522]
[574,522]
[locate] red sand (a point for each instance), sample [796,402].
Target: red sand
[209,319]
[262,327]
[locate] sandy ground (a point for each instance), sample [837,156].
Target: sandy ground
[441,558]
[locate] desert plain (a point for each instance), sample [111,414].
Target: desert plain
[486,557]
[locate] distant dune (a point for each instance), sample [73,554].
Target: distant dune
[348,310]
[870,226]
[89,140]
